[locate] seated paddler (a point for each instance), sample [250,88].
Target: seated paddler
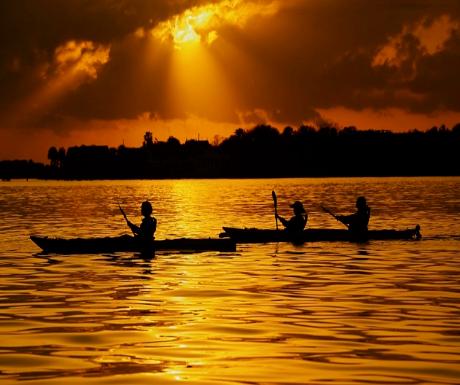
[298,222]
[146,231]
[358,221]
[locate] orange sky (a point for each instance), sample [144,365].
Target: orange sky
[104,74]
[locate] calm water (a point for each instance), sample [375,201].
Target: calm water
[323,313]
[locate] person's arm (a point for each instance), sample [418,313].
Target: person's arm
[346,219]
[135,229]
[282,220]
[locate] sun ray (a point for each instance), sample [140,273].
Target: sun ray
[198,85]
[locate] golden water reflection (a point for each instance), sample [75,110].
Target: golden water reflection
[382,312]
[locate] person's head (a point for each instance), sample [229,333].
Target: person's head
[146,209]
[298,208]
[361,203]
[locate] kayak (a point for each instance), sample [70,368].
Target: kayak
[128,243]
[253,235]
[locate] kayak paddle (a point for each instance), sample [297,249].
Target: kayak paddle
[123,213]
[336,217]
[275,204]
[126,218]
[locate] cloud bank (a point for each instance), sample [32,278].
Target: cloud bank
[277,61]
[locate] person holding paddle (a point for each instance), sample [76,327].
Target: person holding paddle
[298,222]
[145,232]
[357,222]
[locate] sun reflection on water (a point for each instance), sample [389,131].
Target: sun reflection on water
[336,312]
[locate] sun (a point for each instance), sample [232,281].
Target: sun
[184,35]
[185,28]
[188,28]
[200,24]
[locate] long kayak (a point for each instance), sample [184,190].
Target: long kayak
[253,235]
[129,244]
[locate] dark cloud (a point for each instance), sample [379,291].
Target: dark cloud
[31,30]
[324,54]
[45,24]
[312,54]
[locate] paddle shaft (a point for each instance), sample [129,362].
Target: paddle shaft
[123,213]
[275,204]
[126,219]
[336,217]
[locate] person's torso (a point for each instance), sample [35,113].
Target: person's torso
[360,221]
[297,223]
[148,227]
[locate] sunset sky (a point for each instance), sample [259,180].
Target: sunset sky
[104,71]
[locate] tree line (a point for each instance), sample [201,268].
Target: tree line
[262,151]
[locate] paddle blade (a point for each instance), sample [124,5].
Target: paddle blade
[275,199]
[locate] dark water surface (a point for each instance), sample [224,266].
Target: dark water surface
[323,313]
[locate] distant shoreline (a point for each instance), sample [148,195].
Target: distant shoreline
[225,178]
[263,152]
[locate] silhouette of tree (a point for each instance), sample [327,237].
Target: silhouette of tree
[264,133]
[306,131]
[148,140]
[172,141]
[327,131]
[239,132]
[349,130]
[288,132]
[216,140]
[53,156]
[265,152]
[456,130]
[61,157]
[22,169]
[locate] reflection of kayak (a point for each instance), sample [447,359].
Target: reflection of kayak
[128,243]
[252,235]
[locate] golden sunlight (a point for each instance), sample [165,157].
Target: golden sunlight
[199,24]
[80,57]
[197,82]
[184,30]
[197,78]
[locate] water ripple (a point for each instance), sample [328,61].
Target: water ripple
[341,313]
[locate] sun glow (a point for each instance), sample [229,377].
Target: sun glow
[197,55]
[184,30]
[200,24]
